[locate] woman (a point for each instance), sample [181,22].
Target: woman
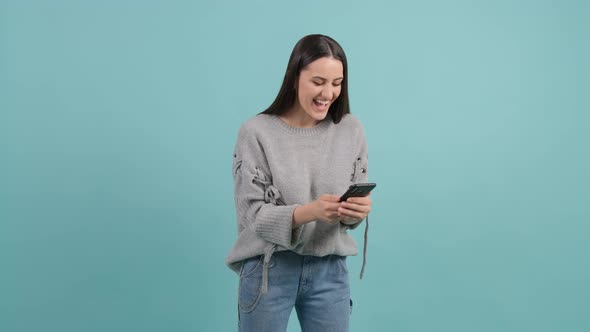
[291,164]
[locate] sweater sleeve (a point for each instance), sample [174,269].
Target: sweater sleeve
[259,205]
[361,165]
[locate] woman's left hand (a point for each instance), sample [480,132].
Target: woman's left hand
[354,209]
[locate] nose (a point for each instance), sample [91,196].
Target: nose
[328,92]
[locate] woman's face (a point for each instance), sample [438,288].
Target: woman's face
[318,87]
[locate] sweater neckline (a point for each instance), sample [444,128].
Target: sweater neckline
[320,127]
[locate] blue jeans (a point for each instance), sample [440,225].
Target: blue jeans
[317,287]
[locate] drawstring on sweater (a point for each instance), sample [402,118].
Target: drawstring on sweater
[272,195]
[267,255]
[271,249]
[366,239]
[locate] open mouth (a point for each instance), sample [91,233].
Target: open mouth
[321,104]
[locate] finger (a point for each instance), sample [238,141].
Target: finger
[332,214]
[349,220]
[360,200]
[330,198]
[331,206]
[356,207]
[343,212]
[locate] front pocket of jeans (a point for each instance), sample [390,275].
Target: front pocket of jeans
[251,265]
[250,288]
[342,261]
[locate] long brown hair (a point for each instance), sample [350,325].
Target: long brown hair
[307,50]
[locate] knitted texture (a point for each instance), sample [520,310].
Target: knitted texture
[277,167]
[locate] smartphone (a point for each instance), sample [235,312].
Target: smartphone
[358,190]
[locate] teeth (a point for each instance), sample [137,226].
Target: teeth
[323,102]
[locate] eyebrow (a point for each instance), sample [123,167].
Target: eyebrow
[323,79]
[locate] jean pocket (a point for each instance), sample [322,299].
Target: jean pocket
[251,265]
[250,288]
[342,262]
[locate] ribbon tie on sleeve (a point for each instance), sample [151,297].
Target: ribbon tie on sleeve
[271,193]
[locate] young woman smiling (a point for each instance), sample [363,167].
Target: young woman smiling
[291,163]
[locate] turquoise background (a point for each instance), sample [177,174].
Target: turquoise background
[117,126]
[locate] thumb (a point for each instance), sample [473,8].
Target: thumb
[330,198]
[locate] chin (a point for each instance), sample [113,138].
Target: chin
[320,116]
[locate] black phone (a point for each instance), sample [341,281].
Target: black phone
[358,190]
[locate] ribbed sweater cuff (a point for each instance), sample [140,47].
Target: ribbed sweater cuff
[275,224]
[353,226]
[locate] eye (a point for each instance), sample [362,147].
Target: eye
[316,83]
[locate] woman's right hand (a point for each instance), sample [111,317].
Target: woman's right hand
[324,209]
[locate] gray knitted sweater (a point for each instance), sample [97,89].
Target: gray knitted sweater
[277,167]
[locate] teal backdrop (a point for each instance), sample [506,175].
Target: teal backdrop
[117,126]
